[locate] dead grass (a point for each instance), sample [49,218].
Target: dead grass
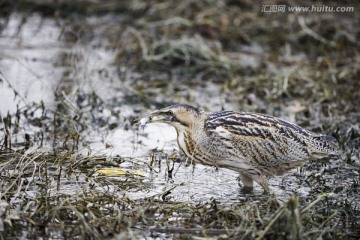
[304,67]
[33,198]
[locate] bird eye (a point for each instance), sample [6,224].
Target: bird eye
[170,112]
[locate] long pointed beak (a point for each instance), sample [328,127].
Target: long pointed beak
[154,117]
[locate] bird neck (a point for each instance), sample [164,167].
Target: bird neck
[193,131]
[197,123]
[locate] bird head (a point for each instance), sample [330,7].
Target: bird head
[179,116]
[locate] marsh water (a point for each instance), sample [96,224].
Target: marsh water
[70,86]
[33,65]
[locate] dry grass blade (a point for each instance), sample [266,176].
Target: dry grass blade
[75,73]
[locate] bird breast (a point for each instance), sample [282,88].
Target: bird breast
[182,142]
[201,148]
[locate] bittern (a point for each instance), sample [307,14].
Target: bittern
[254,145]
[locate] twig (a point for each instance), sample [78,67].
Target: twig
[307,30]
[280,211]
[315,201]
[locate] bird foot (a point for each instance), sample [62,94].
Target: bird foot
[247,190]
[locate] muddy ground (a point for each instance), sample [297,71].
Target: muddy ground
[74,74]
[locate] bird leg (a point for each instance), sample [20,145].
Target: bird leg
[249,181]
[246,180]
[263,182]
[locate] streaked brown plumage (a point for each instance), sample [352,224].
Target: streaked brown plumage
[253,144]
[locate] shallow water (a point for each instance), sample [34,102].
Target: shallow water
[73,85]
[38,62]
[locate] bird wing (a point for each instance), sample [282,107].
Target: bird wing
[262,139]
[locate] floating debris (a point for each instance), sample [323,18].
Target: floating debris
[120,171]
[143,122]
[110,60]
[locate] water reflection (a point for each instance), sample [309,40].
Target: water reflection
[29,50]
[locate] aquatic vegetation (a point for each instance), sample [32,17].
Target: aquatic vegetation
[73,76]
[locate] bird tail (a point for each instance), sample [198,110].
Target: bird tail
[324,145]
